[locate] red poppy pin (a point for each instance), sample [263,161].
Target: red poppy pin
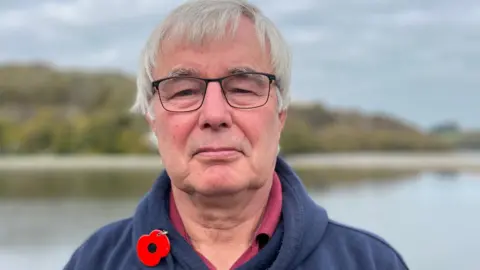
[153,247]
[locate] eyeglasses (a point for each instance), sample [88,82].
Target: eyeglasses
[246,90]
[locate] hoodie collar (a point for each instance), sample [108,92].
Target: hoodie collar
[303,222]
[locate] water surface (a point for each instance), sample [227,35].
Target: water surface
[431,218]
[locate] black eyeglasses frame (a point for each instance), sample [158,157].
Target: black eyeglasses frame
[270,77]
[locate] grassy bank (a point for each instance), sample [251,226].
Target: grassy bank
[368,161]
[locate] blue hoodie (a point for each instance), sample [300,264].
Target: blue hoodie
[305,238]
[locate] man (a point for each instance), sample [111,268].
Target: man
[214,87]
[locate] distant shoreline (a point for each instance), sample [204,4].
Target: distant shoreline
[464,161]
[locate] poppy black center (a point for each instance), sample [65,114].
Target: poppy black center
[152,248]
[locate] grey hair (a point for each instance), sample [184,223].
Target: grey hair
[197,20]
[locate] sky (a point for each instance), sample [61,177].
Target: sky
[416,59]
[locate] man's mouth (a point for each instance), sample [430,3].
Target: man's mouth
[217,152]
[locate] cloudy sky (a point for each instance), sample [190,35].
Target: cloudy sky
[417,59]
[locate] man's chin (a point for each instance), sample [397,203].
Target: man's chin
[218,192]
[220,183]
[217,168]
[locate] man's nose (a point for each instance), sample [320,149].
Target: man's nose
[215,111]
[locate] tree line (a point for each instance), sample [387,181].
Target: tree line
[47,110]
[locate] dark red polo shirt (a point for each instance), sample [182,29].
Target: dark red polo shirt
[264,232]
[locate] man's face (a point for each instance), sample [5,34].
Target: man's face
[249,137]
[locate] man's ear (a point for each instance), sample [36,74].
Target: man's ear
[151,121]
[283,118]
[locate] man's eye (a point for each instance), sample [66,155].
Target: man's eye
[240,91]
[185,92]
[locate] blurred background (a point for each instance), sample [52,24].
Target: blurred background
[384,128]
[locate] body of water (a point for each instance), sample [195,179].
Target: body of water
[432,219]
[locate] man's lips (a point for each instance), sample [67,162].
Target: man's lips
[217,152]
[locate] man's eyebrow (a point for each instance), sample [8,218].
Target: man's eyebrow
[236,70]
[177,72]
